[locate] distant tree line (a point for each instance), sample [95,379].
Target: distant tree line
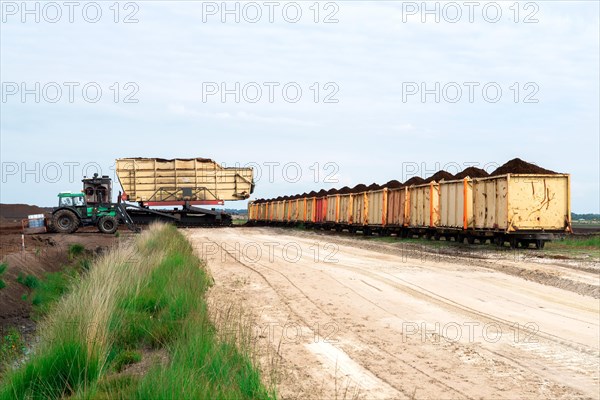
[586,217]
[235,211]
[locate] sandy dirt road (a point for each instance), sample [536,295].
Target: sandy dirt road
[342,321]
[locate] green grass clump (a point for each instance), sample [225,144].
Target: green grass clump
[592,242]
[3,268]
[12,346]
[239,221]
[126,358]
[587,246]
[203,367]
[28,280]
[50,289]
[111,387]
[85,264]
[47,291]
[54,373]
[76,250]
[152,316]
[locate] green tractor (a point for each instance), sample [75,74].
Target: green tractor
[91,207]
[73,212]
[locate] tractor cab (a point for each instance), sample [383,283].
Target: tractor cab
[68,199]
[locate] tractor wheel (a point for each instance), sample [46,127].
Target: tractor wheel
[65,221]
[108,224]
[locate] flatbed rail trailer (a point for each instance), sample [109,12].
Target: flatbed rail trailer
[187,216]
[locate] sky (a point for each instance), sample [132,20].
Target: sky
[311,94]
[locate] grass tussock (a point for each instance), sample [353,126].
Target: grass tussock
[52,286]
[47,291]
[143,295]
[12,346]
[588,246]
[590,242]
[3,268]
[76,250]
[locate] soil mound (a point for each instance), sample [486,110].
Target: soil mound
[332,191]
[373,186]
[518,166]
[344,190]
[393,184]
[415,180]
[438,176]
[19,211]
[471,172]
[358,188]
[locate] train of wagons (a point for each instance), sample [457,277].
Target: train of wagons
[521,209]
